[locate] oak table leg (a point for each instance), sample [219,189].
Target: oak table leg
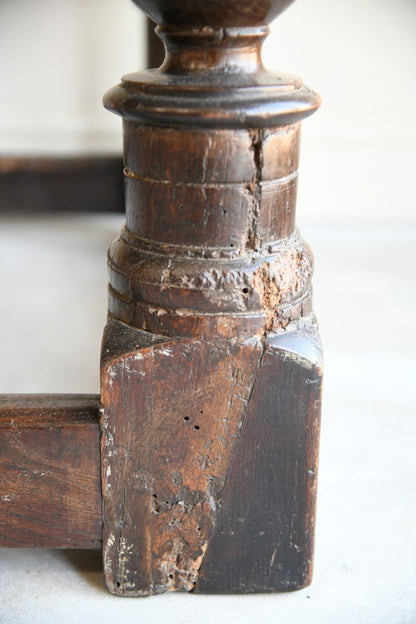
[211,361]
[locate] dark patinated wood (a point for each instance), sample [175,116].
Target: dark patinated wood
[61,184]
[211,361]
[211,365]
[263,537]
[50,492]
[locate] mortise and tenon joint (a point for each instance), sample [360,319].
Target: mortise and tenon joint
[211,360]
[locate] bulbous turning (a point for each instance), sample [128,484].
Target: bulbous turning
[214,13]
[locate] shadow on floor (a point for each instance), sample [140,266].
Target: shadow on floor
[89,564]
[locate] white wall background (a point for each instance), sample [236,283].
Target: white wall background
[57,57]
[359,151]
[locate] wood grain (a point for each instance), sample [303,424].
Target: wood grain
[264,535]
[172,413]
[210,454]
[50,493]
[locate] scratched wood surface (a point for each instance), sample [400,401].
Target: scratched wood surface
[262,540]
[50,492]
[211,367]
[169,454]
[213,446]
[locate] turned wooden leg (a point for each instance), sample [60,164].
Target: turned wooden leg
[211,362]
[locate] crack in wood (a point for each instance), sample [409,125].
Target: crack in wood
[183,482]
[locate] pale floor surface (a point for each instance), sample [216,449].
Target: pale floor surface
[52,310]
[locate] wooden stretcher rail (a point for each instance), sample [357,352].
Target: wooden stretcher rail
[36,185]
[50,491]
